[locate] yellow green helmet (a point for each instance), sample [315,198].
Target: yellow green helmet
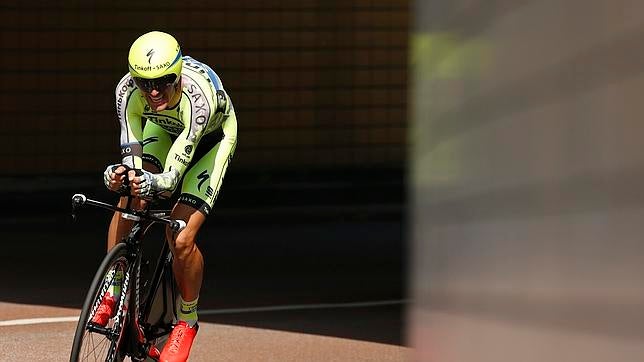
[155,55]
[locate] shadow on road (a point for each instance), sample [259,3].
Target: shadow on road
[327,243]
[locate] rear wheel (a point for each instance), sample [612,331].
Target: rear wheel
[93,342]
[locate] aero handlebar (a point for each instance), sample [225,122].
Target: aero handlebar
[79,200]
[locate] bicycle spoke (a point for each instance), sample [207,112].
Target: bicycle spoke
[94,349]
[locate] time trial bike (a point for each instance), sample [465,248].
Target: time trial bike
[146,307]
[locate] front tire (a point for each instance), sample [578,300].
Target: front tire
[95,345]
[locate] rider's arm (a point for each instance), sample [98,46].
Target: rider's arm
[128,109]
[179,157]
[183,149]
[131,148]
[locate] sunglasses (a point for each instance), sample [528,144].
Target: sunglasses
[160,84]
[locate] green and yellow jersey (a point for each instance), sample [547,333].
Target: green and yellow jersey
[205,112]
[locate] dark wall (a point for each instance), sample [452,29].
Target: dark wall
[314,83]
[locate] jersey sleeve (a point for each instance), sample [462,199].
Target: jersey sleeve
[129,116]
[226,147]
[177,162]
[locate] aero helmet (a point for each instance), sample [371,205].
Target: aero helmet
[155,60]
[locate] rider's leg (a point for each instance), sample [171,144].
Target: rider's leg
[188,260]
[199,191]
[119,227]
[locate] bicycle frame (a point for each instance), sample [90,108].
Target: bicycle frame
[138,333]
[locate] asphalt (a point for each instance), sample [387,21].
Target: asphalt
[214,342]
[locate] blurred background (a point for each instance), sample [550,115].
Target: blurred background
[526,176]
[311,210]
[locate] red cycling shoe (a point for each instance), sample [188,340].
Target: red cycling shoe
[105,311]
[177,348]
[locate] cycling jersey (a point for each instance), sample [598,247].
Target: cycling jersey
[203,119]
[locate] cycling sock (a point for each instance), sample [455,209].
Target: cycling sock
[115,286]
[188,311]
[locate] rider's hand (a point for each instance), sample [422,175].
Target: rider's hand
[142,185]
[113,177]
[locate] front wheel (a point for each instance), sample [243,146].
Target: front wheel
[100,343]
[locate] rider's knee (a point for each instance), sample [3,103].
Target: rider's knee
[183,244]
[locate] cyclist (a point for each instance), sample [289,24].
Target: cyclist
[178,127]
